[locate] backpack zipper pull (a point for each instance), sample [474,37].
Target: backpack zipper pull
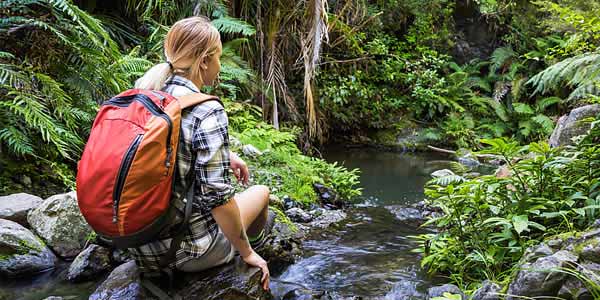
[114,219]
[168,161]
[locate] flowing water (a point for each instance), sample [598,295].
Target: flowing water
[368,254]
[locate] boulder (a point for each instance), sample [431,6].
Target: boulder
[323,218]
[488,291]
[404,290]
[573,288]
[328,197]
[92,261]
[16,206]
[540,278]
[233,281]
[297,214]
[59,223]
[21,252]
[408,215]
[569,126]
[122,283]
[438,291]
[283,245]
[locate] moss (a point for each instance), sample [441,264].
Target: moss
[283,218]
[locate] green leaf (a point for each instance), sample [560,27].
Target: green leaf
[520,223]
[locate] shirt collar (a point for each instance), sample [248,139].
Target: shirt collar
[182,81]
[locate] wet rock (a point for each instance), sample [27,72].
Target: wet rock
[469,161]
[122,283]
[306,294]
[411,216]
[328,197]
[404,290]
[297,214]
[16,206]
[230,282]
[442,173]
[59,223]
[569,126]
[289,203]
[283,245]
[21,252]
[92,261]
[538,278]
[251,151]
[438,291]
[53,298]
[488,291]
[323,218]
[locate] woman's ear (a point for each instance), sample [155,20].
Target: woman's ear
[204,63]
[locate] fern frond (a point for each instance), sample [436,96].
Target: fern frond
[233,26]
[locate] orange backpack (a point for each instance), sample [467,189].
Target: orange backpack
[125,174]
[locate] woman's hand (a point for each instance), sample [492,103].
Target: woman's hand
[255,260]
[239,168]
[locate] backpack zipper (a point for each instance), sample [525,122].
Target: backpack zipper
[155,110]
[122,174]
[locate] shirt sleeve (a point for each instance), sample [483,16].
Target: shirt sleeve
[210,141]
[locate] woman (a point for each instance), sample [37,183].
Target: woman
[221,222]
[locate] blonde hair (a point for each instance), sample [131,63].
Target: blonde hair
[187,43]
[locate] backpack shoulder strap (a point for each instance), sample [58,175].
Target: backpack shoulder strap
[194,99]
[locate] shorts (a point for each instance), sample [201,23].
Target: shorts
[220,252]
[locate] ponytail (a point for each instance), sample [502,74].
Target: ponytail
[154,79]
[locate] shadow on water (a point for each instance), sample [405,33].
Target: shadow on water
[369,253]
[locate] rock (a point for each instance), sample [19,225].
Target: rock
[58,221]
[92,261]
[235,142]
[120,256]
[306,294]
[16,206]
[503,172]
[328,197]
[297,214]
[573,288]
[21,252]
[537,279]
[230,282]
[569,126]
[411,216]
[251,151]
[275,201]
[323,218]
[289,203]
[537,251]
[438,291]
[122,283]
[283,245]
[591,250]
[442,173]
[406,290]
[53,298]
[469,160]
[488,291]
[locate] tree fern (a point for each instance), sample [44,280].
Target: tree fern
[581,72]
[233,26]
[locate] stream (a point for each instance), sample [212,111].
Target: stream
[368,254]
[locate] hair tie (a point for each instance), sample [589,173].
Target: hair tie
[170,65]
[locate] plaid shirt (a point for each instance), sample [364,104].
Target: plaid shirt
[203,145]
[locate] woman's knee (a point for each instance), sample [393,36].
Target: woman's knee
[264,192]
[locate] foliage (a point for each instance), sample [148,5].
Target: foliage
[281,165]
[490,220]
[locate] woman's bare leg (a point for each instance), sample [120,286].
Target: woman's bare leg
[254,208]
